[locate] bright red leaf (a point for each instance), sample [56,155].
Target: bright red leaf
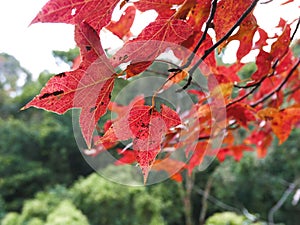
[88,87]
[242,113]
[94,12]
[227,14]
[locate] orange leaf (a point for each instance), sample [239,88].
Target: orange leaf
[283,122]
[175,78]
[267,113]
[245,36]
[122,27]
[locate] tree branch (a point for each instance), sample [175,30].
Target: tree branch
[281,201]
[296,29]
[218,43]
[203,37]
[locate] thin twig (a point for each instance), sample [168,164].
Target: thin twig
[281,201]
[218,202]
[296,29]
[278,88]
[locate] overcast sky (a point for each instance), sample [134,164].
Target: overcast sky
[33,45]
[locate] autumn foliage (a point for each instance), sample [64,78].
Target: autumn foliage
[265,104]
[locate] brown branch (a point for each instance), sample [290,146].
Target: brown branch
[203,37]
[278,88]
[296,29]
[218,43]
[266,2]
[204,200]
[166,74]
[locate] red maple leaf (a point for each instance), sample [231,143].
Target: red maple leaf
[242,113]
[227,14]
[151,42]
[162,7]
[94,12]
[245,36]
[88,87]
[146,127]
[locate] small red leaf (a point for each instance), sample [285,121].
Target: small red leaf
[128,157]
[262,139]
[245,36]
[242,113]
[122,27]
[197,157]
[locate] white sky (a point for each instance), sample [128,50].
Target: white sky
[33,45]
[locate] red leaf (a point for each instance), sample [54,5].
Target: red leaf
[263,63]
[281,45]
[152,41]
[122,27]
[263,36]
[146,127]
[128,157]
[94,12]
[227,14]
[199,14]
[262,139]
[162,7]
[245,36]
[87,87]
[235,151]
[242,113]
[197,157]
